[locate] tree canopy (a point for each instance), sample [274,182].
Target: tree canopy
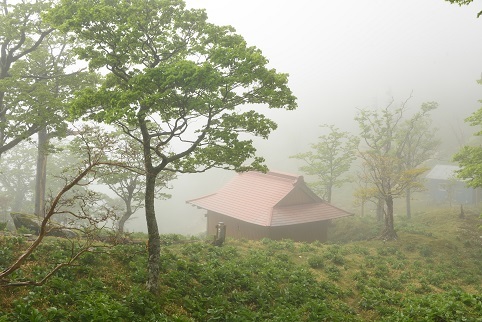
[34,81]
[169,66]
[22,32]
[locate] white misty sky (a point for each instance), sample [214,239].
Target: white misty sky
[344,55]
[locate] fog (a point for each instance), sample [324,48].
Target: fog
[342,56]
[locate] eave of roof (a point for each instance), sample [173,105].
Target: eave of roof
[305,213]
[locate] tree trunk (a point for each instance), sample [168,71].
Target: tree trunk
[462,212]
[154,242]
[389,230]
[41,173]
[127,214]
[408,198]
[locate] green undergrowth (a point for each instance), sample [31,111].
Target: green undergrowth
[431,273]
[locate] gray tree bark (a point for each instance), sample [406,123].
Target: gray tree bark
[41,173]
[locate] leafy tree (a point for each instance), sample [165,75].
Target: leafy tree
[384,167]
[329,160]
[51,61]
[419,142]
[34,82]
[470,156]
[21,33]
[471,168]
[181,82]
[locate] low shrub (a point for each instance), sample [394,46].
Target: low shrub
[316,262]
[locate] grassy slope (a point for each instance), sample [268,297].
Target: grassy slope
[432,273]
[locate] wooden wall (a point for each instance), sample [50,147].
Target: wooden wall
[308,232]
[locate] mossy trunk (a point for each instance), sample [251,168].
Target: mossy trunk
[41,173]
[154,242]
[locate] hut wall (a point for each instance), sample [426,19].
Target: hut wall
[308,232]
[442,191]
[235,228]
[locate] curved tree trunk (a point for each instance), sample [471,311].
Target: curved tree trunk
[128,203]
[127,214]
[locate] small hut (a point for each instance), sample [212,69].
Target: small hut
[444,186]
[273,205]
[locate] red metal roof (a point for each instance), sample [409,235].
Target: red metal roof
[254,196]
[304,213]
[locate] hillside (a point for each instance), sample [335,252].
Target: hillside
[432,273]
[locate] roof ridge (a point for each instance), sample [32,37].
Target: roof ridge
[284,175]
